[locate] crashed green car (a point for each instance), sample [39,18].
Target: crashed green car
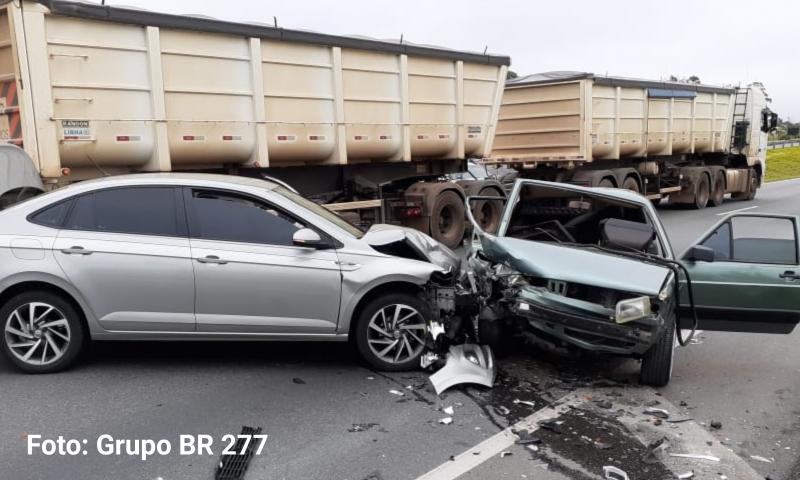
[592,268]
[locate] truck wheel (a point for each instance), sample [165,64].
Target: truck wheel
[631,184]
[605,183]
[488,212]
[447,219]
[702,193]
[657,362]
[390,331]
[718,192]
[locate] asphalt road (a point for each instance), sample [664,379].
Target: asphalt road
[327,417]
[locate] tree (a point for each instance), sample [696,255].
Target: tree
[693,79]
[511,74]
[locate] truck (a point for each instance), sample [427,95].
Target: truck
[689,142]
[370,128]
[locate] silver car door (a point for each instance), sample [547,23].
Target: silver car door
[126,251]
[249,276]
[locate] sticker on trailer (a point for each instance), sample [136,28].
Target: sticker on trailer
[194,138]
[76,130]
[474,129]
[128,138]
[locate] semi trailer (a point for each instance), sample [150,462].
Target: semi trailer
[373,127]
[692,143]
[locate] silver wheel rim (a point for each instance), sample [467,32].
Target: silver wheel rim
[396,333]
[37,333]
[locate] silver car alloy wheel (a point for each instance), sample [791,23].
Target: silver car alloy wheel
[396,333]
[37,333]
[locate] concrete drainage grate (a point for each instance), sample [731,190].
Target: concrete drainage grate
[233,467]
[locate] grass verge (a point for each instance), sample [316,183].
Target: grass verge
[783,163]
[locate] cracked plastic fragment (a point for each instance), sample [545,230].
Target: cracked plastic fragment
[468,363]
[611,472]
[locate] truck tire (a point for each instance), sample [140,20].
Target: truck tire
[488,212]
[701,193]
[657,362]
[447,219]
[605,183]
[718,190]
[631,184]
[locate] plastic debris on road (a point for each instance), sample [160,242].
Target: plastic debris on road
[611,472]
[710,458]
[397,392]
[759,458]
[446,420]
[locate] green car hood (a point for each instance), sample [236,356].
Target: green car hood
[576,265]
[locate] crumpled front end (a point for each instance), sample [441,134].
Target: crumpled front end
[558,297]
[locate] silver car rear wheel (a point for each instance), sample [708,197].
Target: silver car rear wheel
[396,333]
[37,333]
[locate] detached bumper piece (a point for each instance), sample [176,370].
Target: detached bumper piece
[233,467]
[467,363]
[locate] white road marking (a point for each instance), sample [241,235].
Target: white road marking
[737,210]
[495,444]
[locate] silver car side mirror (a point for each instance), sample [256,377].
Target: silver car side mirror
[306,237]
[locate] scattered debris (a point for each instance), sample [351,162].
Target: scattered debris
[376,475]
[298,381]
[361,427]
[524,402]
[604,404]
[611,472]
[446,420]
[448,410]
[526,438]
[715,424]
[710,458]
[397,392]
[502,410]
[370,378]
[467,363]
[532,448]
[679,420]
[660,445]
[652,403]
[551,425]
[689,474]
[603,445]
[760,458]
[505,454]
[657,412]
[428,358]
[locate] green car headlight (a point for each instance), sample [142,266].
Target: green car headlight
[632,309]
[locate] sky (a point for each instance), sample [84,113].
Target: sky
[724,42]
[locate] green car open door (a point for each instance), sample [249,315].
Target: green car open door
[745,275]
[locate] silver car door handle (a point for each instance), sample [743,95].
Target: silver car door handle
[76,250]
[212,259]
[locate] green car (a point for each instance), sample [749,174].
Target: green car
[592,268]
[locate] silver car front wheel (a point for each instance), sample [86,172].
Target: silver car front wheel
[390,333]
[42,332]
[396,333]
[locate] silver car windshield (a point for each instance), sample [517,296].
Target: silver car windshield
[321,211]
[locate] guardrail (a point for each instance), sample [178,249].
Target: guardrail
[783,144]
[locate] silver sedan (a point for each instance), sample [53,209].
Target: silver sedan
[207,257]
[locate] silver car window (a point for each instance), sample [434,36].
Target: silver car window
[227,216]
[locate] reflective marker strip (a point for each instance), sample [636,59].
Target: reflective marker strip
[316,138]
[129,138]
[360,138]
[443,136]
[227,138]
[194,138]
[286,138]
[385,137]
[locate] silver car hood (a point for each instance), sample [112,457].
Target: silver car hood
[576,264]
[382,237]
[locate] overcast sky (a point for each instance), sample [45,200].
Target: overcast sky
[720,41]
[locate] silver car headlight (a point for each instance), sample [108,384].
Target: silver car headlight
[632,309]
[666,292]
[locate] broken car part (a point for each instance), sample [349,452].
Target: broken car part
[468,363]
[611,472]
[710,458]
